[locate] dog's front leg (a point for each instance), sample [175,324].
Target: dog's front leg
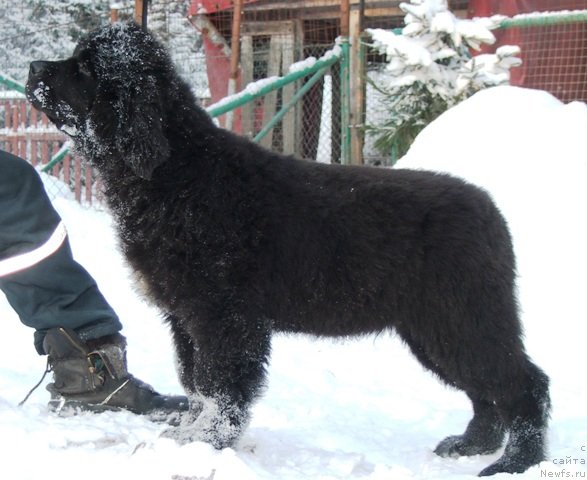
[229,361]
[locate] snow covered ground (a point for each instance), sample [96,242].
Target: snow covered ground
[360,409]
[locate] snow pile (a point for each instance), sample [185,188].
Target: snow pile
[528,150]
[360,409]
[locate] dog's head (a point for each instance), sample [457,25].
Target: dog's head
[109,96]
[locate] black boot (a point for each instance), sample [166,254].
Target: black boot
[92,376]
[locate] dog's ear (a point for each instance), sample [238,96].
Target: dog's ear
[141,137]
[130,120]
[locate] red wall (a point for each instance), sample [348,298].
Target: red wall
[554,57]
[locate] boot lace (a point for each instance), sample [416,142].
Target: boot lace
[47,370]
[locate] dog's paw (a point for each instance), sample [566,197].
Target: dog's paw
[462,446]
[170,418]
[216,431]
[182,434]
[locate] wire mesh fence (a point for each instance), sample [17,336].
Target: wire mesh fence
[554,58]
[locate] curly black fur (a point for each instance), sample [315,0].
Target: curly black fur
[235,242]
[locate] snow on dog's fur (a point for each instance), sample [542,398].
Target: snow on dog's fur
[236,242]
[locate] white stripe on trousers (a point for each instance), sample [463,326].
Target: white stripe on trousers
[26,260]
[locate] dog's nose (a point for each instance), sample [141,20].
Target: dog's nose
[37,67]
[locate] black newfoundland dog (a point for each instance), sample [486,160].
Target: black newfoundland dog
[235,242]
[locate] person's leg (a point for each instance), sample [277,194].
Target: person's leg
[38,275]
[74,324]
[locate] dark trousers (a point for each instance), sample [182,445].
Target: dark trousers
[38,275]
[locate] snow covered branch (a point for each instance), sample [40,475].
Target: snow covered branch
[430,67]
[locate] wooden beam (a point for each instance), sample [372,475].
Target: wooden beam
[270,100]
[139,11]
[344,17]
[294,4]
[236,38]
[325,9]
[268,28]
[357,84]
[314,4]
[384,12]
[247,62]
[234,57]
[288,124]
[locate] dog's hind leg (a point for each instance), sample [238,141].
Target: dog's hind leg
[526,407]
[517,401]
[508,392]
[486,430]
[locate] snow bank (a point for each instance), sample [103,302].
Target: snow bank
[527,149]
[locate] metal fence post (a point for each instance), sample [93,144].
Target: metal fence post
[345,110]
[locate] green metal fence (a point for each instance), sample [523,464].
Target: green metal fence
[316,71]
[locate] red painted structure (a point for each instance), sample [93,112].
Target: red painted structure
[217,59]
[554,58]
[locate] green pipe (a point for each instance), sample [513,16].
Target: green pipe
[544,19]
[345,133]
[241,99]
[55,159]
[282,112]
[12,84]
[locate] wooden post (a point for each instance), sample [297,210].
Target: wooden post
[248,110]
[67,170]
[273,70]
[44,144]
[113,15]
[234,56]
[288,125]
[357,82]
[89,182]
[141,12]
[344,17]
[77,172]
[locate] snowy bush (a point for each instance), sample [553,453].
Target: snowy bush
[430,68]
